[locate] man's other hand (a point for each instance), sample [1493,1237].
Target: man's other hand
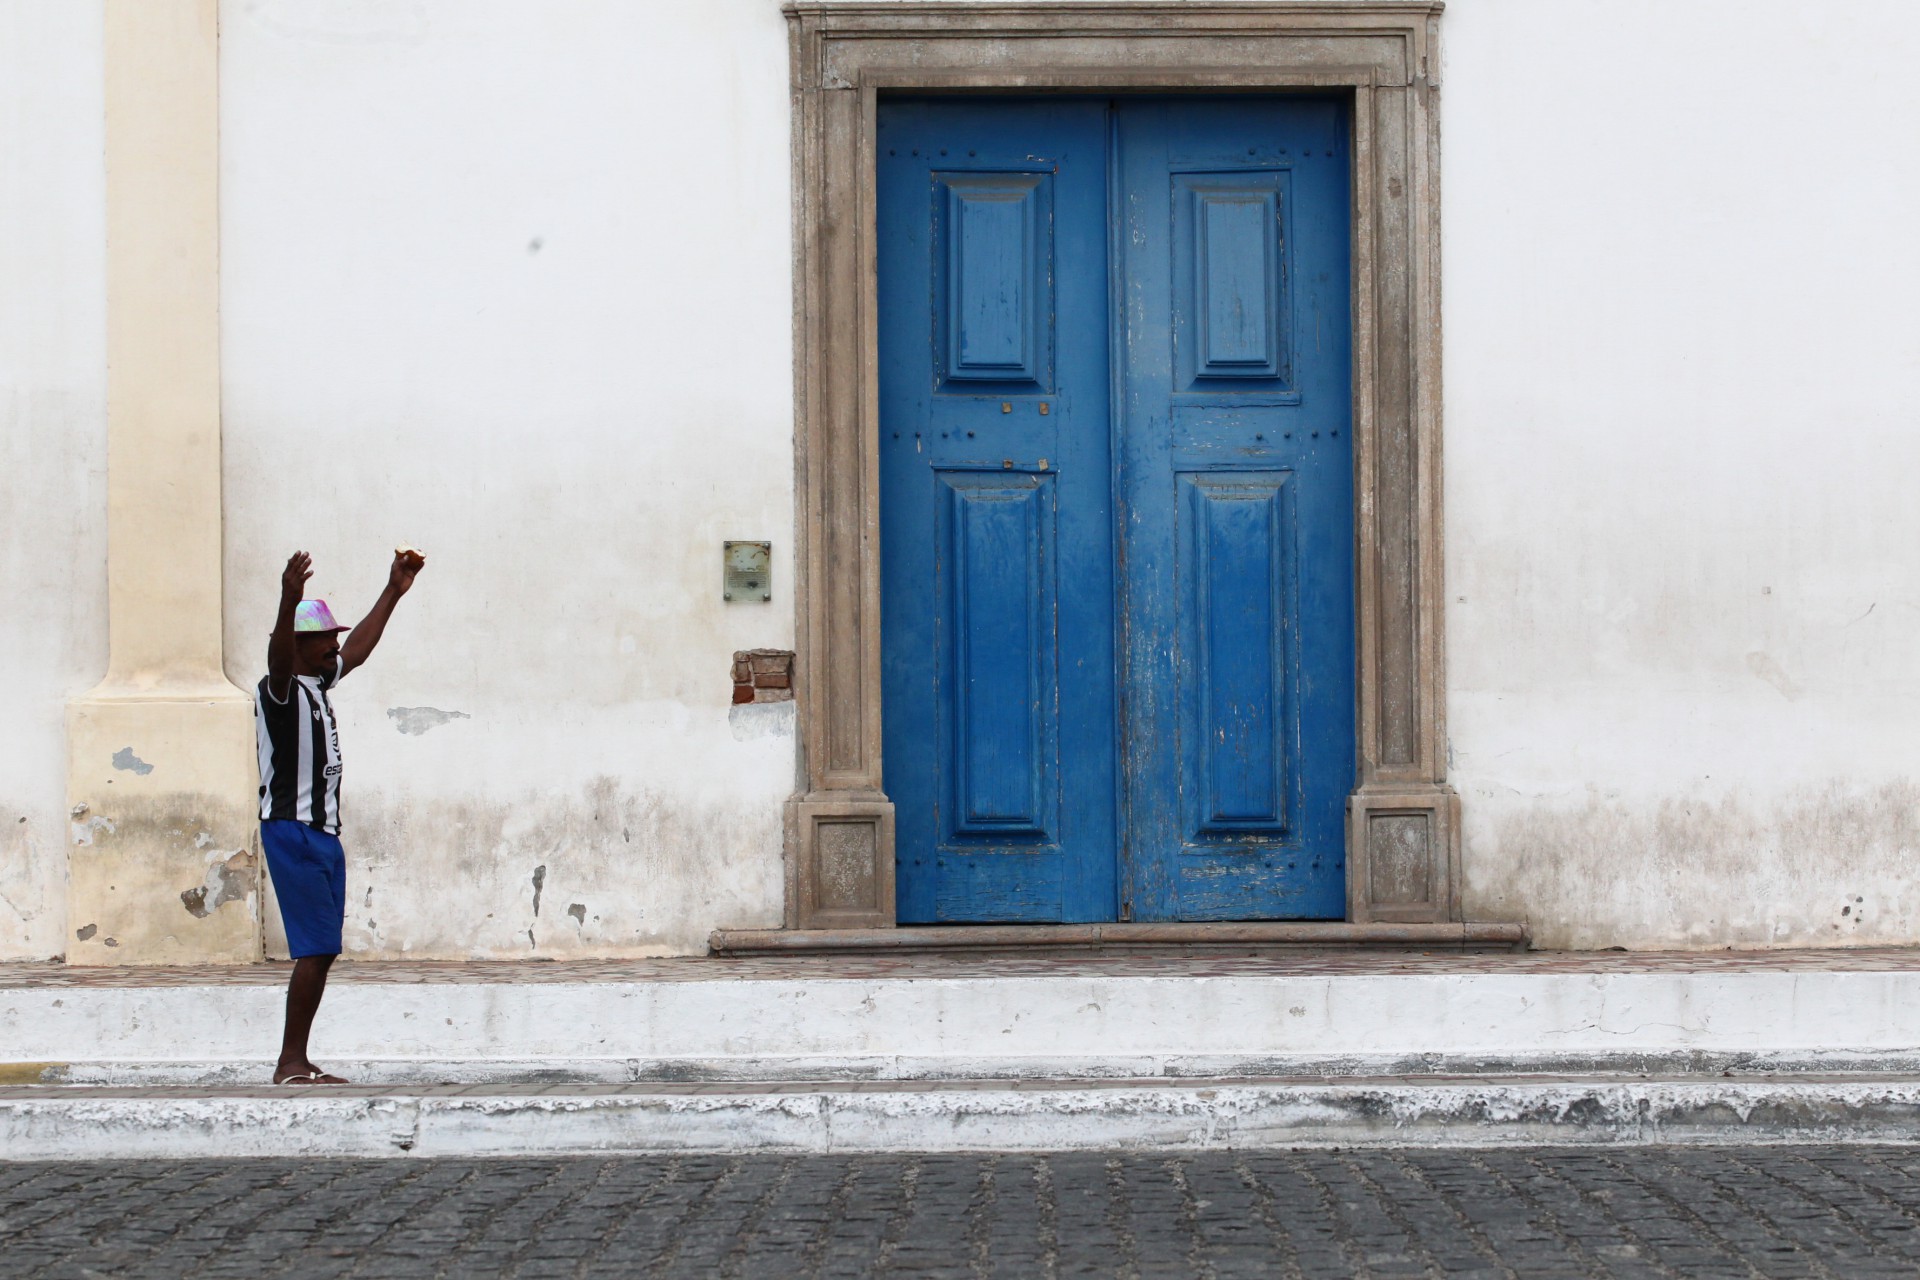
[293,580]
[407,562]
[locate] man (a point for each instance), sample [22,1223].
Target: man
[300,785]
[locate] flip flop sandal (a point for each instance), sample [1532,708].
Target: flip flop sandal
[311,1077]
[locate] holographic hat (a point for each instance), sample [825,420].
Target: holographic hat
[313,616]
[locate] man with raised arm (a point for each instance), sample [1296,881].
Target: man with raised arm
[300,785]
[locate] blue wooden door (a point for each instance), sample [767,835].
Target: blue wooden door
[996,509]
[1237,507]
[1116,634]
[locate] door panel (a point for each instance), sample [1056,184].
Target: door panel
[993,233]
[996,541]
[1236,570]
[1230,316]
[1237,496]
[996,511]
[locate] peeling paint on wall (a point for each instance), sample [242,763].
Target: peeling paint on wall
[84,829]
[231,880]
[418,720]
[146,877]
[755,720]
[127,762]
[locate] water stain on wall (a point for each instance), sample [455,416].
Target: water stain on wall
[23,894]
[1765,668]
[1829,865]
[660,870]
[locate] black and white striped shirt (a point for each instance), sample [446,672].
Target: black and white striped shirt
[299,751]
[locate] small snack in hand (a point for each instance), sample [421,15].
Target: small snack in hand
[414,556]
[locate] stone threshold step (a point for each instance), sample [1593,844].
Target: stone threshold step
[49,1123]
[1078,937]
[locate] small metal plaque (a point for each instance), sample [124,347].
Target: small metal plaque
[748,571]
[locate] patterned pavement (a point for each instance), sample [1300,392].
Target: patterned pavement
[1594,1212]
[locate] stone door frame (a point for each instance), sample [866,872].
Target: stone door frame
[1403,819]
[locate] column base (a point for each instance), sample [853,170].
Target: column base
[840,862]
[163,864]
[1403,841]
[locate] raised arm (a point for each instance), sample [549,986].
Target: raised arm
[362,639]
[293,587]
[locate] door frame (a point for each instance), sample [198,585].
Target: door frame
[1403,820]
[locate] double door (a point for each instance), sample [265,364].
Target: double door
[1116,506]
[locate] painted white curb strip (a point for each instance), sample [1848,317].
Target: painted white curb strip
[69,1125]
[968,1025]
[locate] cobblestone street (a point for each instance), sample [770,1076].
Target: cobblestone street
[1769,1211]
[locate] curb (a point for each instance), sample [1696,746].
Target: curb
[69,1123]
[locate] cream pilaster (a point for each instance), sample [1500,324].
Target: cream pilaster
[161,773]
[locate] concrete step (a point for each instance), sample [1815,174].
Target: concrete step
[47,1122]
[1169,1018]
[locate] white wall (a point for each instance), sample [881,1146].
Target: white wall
[53,441]
[1683,425]
[511,281]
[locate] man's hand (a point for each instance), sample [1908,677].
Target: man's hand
[407,561]
[293,580]
[293,587]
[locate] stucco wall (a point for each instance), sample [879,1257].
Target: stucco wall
[53,441]
[1683,421]
[510,281]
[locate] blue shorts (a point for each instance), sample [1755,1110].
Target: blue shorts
[309,870]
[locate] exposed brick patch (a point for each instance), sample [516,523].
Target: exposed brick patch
[762,675]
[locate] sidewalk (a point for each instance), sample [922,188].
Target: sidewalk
[1009,1052]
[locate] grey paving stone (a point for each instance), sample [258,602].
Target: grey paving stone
[1824,1212]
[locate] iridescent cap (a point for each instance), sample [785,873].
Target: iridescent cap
[313,616]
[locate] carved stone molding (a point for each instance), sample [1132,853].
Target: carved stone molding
[1403,855]
[843,56]
[841,861]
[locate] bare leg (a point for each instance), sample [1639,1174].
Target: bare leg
[304,989]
